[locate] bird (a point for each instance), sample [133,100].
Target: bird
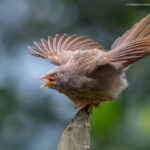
[85,71]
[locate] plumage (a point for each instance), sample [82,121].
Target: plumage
[87,73]
[60,46]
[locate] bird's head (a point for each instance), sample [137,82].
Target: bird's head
[55,77]
[64,78]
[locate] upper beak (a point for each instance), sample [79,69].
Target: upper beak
[50,80]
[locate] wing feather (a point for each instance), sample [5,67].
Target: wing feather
[45,45]
[34,49]
[40,47]
[55,42]
[130,53]
[50,43]
[65,36]
[86,45]
[61,40]
[72,43]
[132,46]
[139,30]
[59,49]
[68,39]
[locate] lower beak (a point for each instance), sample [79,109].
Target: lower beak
[50,80]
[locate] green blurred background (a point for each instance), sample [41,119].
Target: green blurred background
[34,119]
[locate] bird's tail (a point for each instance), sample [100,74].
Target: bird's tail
[133,45]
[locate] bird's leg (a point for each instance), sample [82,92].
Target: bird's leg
[85,104]
[81,106]
[90,109]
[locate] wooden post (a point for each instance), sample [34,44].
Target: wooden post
[77,134]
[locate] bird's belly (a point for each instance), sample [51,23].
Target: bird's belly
[79,97]
[103,91]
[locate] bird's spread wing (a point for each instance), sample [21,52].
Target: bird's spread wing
[59,49]
[132,46]
[139,30]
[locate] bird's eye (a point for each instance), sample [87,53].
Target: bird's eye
[56,74]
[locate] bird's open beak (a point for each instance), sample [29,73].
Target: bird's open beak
[50,81]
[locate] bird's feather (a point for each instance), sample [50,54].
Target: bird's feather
[139,30]
[129,53]
[132,46]
[59,49]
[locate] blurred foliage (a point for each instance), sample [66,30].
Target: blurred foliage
[31,119]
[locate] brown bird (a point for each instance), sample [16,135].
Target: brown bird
[87,73]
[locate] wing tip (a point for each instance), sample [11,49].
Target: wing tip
[30,47]
[148,16]
[37,55]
